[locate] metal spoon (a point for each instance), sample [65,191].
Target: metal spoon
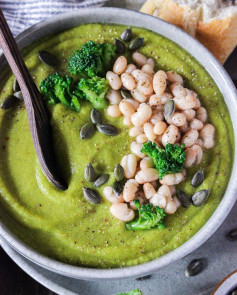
[38,115]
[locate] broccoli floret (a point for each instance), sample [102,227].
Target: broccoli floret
[93,59]
[94,90]
[57,89]
[133,292]
[149,217]
[168,160]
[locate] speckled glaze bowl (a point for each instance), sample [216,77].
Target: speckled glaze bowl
[221,78]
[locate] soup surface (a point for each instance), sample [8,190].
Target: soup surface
[63,225]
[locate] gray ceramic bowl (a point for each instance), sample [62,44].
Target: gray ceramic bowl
[127,17]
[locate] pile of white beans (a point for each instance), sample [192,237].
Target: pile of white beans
[150,92]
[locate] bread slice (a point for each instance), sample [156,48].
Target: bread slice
[212,22]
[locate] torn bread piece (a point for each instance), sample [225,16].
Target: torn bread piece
[212,22]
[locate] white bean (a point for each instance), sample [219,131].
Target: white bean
[165,191]
[199,153]
[202,114]
[178,137]
[120,65]
[148,69]
[142,115]
[130,68]
[172,179]
[157,116]
[196,124]
[178,119]
[185,103]
[126,108]
[198,104]
[139,196]
[114,80]
[165,97]
[151,62]
[207,135]
[190,157]
[149,131]
[135,131]
[172,189]
[147,175]
[184,174]
[133,102]
[199,142]
[136,149]
[155,101]
[170,207]
[113,96]
[185,128]
[129,164]
[178,90]
[170,135]
[173,77]
[137,95]
[159,200]
[129,191]
[160,128]
[177,202]
[139,75]
[145,87]
[127,121]
[139,59]
[111,196]
[146,162]
[122,212]
[142,138]
[190,114]
[149,190]
[128,81]
[190,138]
[114,111]
[159,82]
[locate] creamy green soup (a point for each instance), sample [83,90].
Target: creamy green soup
[63,225]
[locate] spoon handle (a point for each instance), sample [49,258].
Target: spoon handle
[38,115]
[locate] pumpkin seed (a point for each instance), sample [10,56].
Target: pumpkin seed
[194,267]
[18,95]
[87,130]
[198,178]
[96,116]
[118,187]
[169,109]
[232,235]
[136,44]
[144,278]
[16,86]
[120,47]
[107,129]
[234,292]
[101,180]
[8,102]
[89,173]
[47,58]
[184,199]
[200,197]
[91,195]
[126,35]
[118,172]
[125,94]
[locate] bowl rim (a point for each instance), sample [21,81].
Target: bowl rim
[109,15]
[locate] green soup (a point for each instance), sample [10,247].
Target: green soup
[63,225]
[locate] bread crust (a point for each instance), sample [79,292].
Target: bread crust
[218,35]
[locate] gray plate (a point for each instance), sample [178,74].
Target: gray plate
[220,253]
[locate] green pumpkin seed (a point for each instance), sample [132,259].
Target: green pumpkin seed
[232,235]
[126,35]
[18,95]
[169,109]
[118,172]
[8,102]
[120,47]
[194,267]
[89,173]
[200,197]
[234,292]
[47,58]
[101,180]
[126,94]
[198,178]
[16,86]
[118,187]
[136,43]
[96,116]
[91,195]
[184,199]
[107,129]
[87,130]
